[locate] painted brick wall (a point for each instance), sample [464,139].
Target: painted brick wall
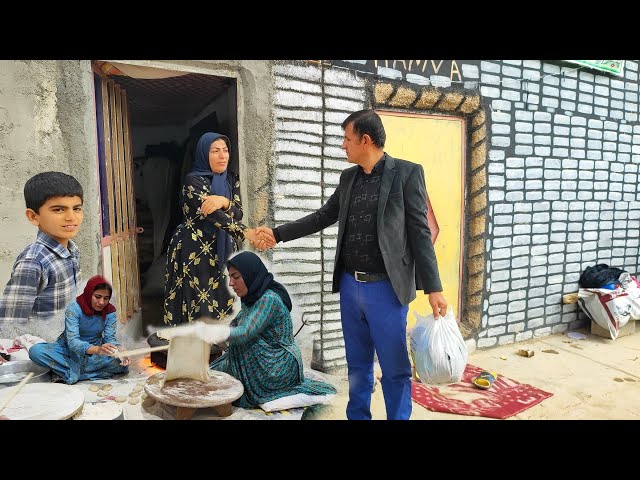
[563,176]
[310,105]
[562,186]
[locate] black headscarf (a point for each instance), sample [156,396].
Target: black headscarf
[257,278]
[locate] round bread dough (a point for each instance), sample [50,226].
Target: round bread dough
[144,395]
[133,400]
[134,394]
[102,393]
[141,384]
[121,399]
[94,388]
[107,387]
[136,389]
[99,411]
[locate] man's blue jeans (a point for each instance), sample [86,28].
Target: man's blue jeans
[374,320]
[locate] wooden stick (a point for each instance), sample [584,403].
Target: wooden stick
[140,351]
[570,298]
[16,390]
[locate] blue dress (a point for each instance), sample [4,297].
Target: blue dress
[262,354]
[66,356]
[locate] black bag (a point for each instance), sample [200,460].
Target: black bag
[599,275]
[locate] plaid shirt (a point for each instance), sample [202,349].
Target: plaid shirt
[44,280]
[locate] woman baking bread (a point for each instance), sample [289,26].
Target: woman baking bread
[84,350]
[262,353]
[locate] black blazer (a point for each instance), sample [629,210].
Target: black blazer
[403,234]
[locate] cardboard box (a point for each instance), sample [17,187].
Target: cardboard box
[628,329]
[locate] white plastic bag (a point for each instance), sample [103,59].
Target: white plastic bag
[612,309]
[438,349]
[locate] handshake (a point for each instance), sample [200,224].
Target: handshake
[261,237]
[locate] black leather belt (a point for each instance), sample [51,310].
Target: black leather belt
[366,277]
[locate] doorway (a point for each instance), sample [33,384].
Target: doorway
[162,115]
[437,143]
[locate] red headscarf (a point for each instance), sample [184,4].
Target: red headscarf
[84,300]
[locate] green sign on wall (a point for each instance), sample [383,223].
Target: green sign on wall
[613,66]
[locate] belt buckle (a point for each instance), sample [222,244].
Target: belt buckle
[356,274]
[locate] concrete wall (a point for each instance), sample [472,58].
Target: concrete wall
[46,123]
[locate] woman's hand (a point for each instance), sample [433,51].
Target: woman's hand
[107,349]
[124,361]
[213,203]
[251,235]
[257,240]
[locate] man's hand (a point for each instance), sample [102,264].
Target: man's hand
[213,203]
[265,237]
[438,304]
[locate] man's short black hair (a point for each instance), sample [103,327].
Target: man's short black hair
[46,185]
[367,122]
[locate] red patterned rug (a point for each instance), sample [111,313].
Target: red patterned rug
[504,399]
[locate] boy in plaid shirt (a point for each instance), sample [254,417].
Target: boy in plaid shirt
[46,275]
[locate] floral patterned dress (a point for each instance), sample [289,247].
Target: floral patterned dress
[195,281]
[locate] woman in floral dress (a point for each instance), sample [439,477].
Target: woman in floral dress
[195,279]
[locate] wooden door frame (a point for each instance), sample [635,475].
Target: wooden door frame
[463,173]
[455,101]
[122,236]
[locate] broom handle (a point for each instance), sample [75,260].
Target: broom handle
[139,351]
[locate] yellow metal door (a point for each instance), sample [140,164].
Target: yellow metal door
[437,143]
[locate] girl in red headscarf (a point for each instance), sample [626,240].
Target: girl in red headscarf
[84,350]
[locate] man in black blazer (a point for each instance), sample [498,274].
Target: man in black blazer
[384,253]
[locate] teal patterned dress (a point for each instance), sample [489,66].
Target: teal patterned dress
[262,354]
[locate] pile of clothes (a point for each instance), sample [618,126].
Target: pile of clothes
[18,348]
[609,296]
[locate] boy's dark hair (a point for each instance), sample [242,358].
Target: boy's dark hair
[46,185]
[367,122]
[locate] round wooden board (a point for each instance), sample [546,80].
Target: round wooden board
[221,389]
[43,401]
